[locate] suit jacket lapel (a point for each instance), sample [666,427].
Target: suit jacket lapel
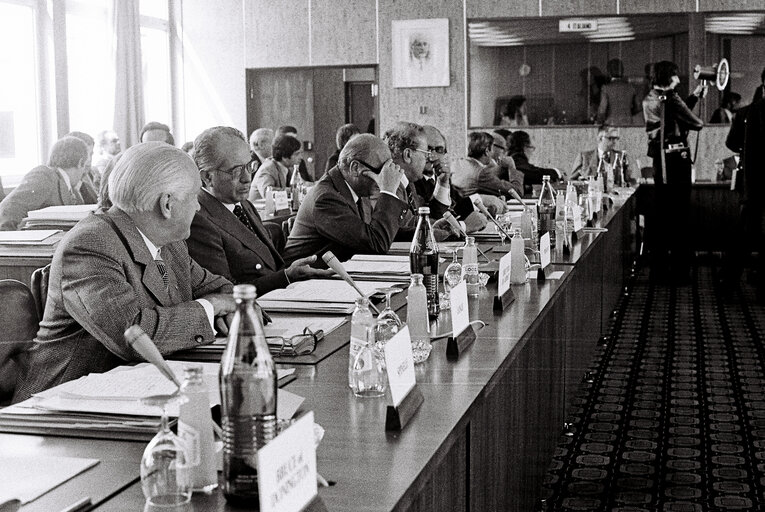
[227,221]
[342,187]
[264,236]
[135,245]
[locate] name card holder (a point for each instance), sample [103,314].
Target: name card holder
[316,505]
[544,273]
[577,235]
[505,295]
[544,270]
[402,382]
[455,346]
[397,417]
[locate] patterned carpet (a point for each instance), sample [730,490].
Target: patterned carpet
[674,416]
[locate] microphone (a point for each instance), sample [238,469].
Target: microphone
[479,204]
[456,225]
[332,262]
[518,198]
[141,343]
[453,223]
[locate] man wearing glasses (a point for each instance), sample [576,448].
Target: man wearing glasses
[605,157]
[334,216]
[227,235]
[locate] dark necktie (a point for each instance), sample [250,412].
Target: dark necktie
[163,271]
[410,198]
[360,208]
[239,212]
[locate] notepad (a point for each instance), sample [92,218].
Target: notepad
[28,478]
[323,291]
[28,237]
[64,212]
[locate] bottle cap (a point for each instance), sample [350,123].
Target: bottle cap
[423,209]
[362,302]
[245,291]
[416,278]
[469,240]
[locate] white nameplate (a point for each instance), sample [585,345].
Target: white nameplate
[399,363]
[577,212]
[578,25]
[459,305]
[287,468]
[475,199]
[544,250]
[503,283]
[280,200]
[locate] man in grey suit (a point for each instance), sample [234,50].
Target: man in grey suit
[333,215]
[603,157]
[126,266]
[51,185]
[227,236]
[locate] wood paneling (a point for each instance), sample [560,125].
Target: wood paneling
[730,5]
[276,33]
[577,7]
[343,33]
[329,113]
[656,6]
[281,96]
[445,105]
[501,8]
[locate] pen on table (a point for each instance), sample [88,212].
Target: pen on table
[78,505]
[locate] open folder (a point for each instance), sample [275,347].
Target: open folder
[319,296]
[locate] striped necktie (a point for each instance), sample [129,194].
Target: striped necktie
[163,271]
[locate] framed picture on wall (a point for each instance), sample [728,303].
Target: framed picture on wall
[420,52]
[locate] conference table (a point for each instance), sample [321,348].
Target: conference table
[487,429]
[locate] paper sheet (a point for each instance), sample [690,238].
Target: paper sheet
[28,478]
[324,290]
[27,236]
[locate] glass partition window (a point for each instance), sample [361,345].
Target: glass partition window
[554,71]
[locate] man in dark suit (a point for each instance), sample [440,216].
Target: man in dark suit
[227,236]
[126,266]
[408,145]
[51,185]
[604,157]
[333,217]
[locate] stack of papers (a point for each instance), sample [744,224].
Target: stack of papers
[57,217]
[319,296]
[28,478]
[379,267]
[43,237]
[109,404]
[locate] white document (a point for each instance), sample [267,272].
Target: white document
[28,478]
[291,325]
[323,290]
[27,236]
[377,267]
[65,212]
[389,258]
[399,364]
[291,306]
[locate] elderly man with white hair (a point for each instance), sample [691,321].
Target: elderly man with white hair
[128,266]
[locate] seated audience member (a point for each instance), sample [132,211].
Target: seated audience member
[729,105]
[227,235]
[302,167]
[188,148]
[154,131]
[504,169]
[91,179]
[618,99]
[260,147]
[462,208]
[409,149]
[276,169]
[104,201]
[521,150]
[603,157]
[476,174]
[333,217]
[514,113]
[108,146]
[343,135]
[128,266]
[724,167]
[51,185]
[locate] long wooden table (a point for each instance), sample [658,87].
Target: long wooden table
[487,429]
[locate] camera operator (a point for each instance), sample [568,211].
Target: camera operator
[668,120]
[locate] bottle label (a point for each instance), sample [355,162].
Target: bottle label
[190,438]
[470,268]
[356,345]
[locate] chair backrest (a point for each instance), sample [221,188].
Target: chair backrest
[39,287]
[287,226]
[20,321]
[277,235]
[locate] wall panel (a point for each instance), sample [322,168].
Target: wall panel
[730,5]
[329,110]
[577,7]
[445,105]
[282,96]
[276,33]
[343,32]
[657,6]
[501,8]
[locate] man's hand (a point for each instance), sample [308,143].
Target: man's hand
[389,178]
[701,90]
[475,222]
[507,161]
[445,176]
[443,225]
[440,235]
[223,310]
[301,269]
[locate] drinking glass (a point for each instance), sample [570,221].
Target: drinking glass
[504,221]
[452,277]
[165,477]
[388,323]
